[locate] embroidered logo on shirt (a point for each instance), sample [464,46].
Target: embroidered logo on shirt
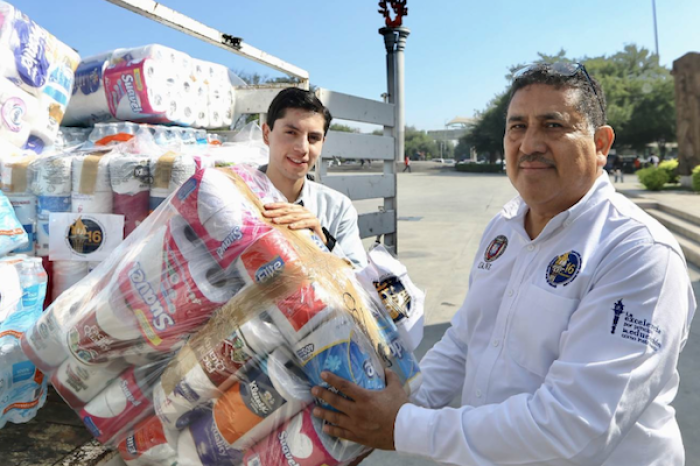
[496,248]
[617,309]
[563,269]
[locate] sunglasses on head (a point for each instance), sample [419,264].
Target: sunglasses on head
[559,69]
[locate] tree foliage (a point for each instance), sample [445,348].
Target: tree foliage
[418,143]
[639,94]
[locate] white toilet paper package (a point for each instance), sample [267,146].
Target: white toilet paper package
[153,84]
[23,388]
[42,68]
[198,340]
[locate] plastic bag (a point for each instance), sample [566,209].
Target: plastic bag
[22,385]
[199,338]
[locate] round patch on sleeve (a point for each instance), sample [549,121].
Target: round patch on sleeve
[496,248]
[563,269]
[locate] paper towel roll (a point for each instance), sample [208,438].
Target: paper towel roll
[252,408]
[132,88]
[16,109]
[301,441]
[149,443]
[78,384]
[218,369]
[106,328]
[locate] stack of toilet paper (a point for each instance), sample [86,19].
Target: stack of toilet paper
[198,340]
[153,84]
[36,81]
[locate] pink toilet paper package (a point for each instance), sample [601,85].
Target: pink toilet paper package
[198,340]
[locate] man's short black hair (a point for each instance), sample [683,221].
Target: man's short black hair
[293,97]
[591,102]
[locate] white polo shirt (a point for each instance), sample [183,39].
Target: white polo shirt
[566,347]
[337,214]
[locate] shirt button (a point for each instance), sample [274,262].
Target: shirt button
[531,247]
[495,343]
[510,292]
[478,393]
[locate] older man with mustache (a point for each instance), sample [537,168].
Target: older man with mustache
[565,350]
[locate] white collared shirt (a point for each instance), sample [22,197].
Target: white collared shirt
[337,214]
[548,375]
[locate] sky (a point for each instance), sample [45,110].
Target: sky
[457,54]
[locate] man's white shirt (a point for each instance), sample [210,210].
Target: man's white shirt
[337,214]
[566,347]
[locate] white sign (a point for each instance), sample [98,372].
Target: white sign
[84,237]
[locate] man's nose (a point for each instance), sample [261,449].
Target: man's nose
[533,142]
[301,145]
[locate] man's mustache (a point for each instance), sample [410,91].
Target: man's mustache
[536,157]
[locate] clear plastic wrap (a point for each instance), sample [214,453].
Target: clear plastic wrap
[198,340]
[22,385]
[37,79]
[153,84]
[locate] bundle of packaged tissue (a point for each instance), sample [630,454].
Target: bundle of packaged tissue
[198,340]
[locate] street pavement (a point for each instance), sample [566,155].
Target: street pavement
[445,213]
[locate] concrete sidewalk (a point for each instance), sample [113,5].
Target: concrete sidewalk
[445,213]
[688,201]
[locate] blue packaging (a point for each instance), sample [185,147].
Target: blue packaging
[12,235]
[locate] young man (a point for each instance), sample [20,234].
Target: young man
[296,127]
[566,348]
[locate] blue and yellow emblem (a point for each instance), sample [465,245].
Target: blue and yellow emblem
[563,269]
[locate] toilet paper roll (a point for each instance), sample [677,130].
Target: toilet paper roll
[169,295]
[78,384]
[16,108]
[301,441]
[106,328]
[15,174]
[127,85]
[91,187]
[169,172]
[124,403]
[51,177]
[65,275]
[219,214]
[149,442]
[271,258]
[217,369]
[252,408]
[338,346]
[88,105]
[130,178]
[25,211]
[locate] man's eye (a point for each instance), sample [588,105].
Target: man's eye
[554,125]
[518,126]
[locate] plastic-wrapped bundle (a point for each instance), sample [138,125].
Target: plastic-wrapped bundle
[17,109]
[218,322]
[51,184]
[16,182]
[41,65]
[130,177]
[169,172]
[12,234]
[91,186]
[22,386]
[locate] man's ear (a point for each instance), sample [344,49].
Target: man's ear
[604,138]
[266,134]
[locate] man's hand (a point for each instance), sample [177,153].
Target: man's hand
[295,216]
[368,417]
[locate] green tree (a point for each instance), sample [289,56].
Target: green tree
[343,128]
[639,94]
[418,142]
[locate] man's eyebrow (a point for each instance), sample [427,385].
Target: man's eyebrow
[552,116]
[291,126]
[516,118]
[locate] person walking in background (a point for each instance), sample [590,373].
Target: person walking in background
[654,160]
[407,164]
[617,169]
[637,163]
